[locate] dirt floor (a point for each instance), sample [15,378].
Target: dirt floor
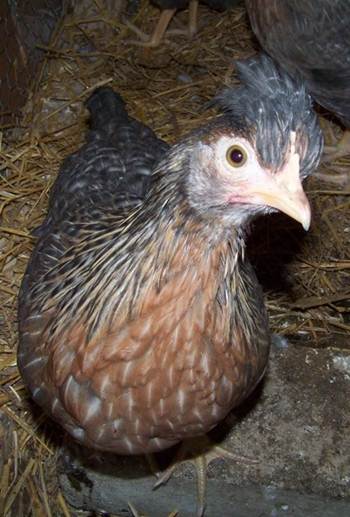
[306,277]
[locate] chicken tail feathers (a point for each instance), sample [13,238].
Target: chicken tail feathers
[106,106]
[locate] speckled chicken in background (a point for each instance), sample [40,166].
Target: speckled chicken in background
[141,320]
[168,11]
[311,37]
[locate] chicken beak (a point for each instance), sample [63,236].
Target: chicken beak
[290,199]
[296,206]
[284,192]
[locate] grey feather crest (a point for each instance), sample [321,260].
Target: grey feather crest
[269,104]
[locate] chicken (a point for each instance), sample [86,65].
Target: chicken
[168,10]
[141,320]
[311,38]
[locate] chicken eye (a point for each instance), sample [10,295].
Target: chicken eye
[236,156]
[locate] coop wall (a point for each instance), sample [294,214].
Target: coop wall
[25,27]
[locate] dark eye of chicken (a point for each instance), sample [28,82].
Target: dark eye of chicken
[310,38]
[141,321]
[236,156]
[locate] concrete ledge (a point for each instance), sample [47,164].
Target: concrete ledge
[297,425]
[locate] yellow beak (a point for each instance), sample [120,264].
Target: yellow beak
[284,191]
[288,198]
